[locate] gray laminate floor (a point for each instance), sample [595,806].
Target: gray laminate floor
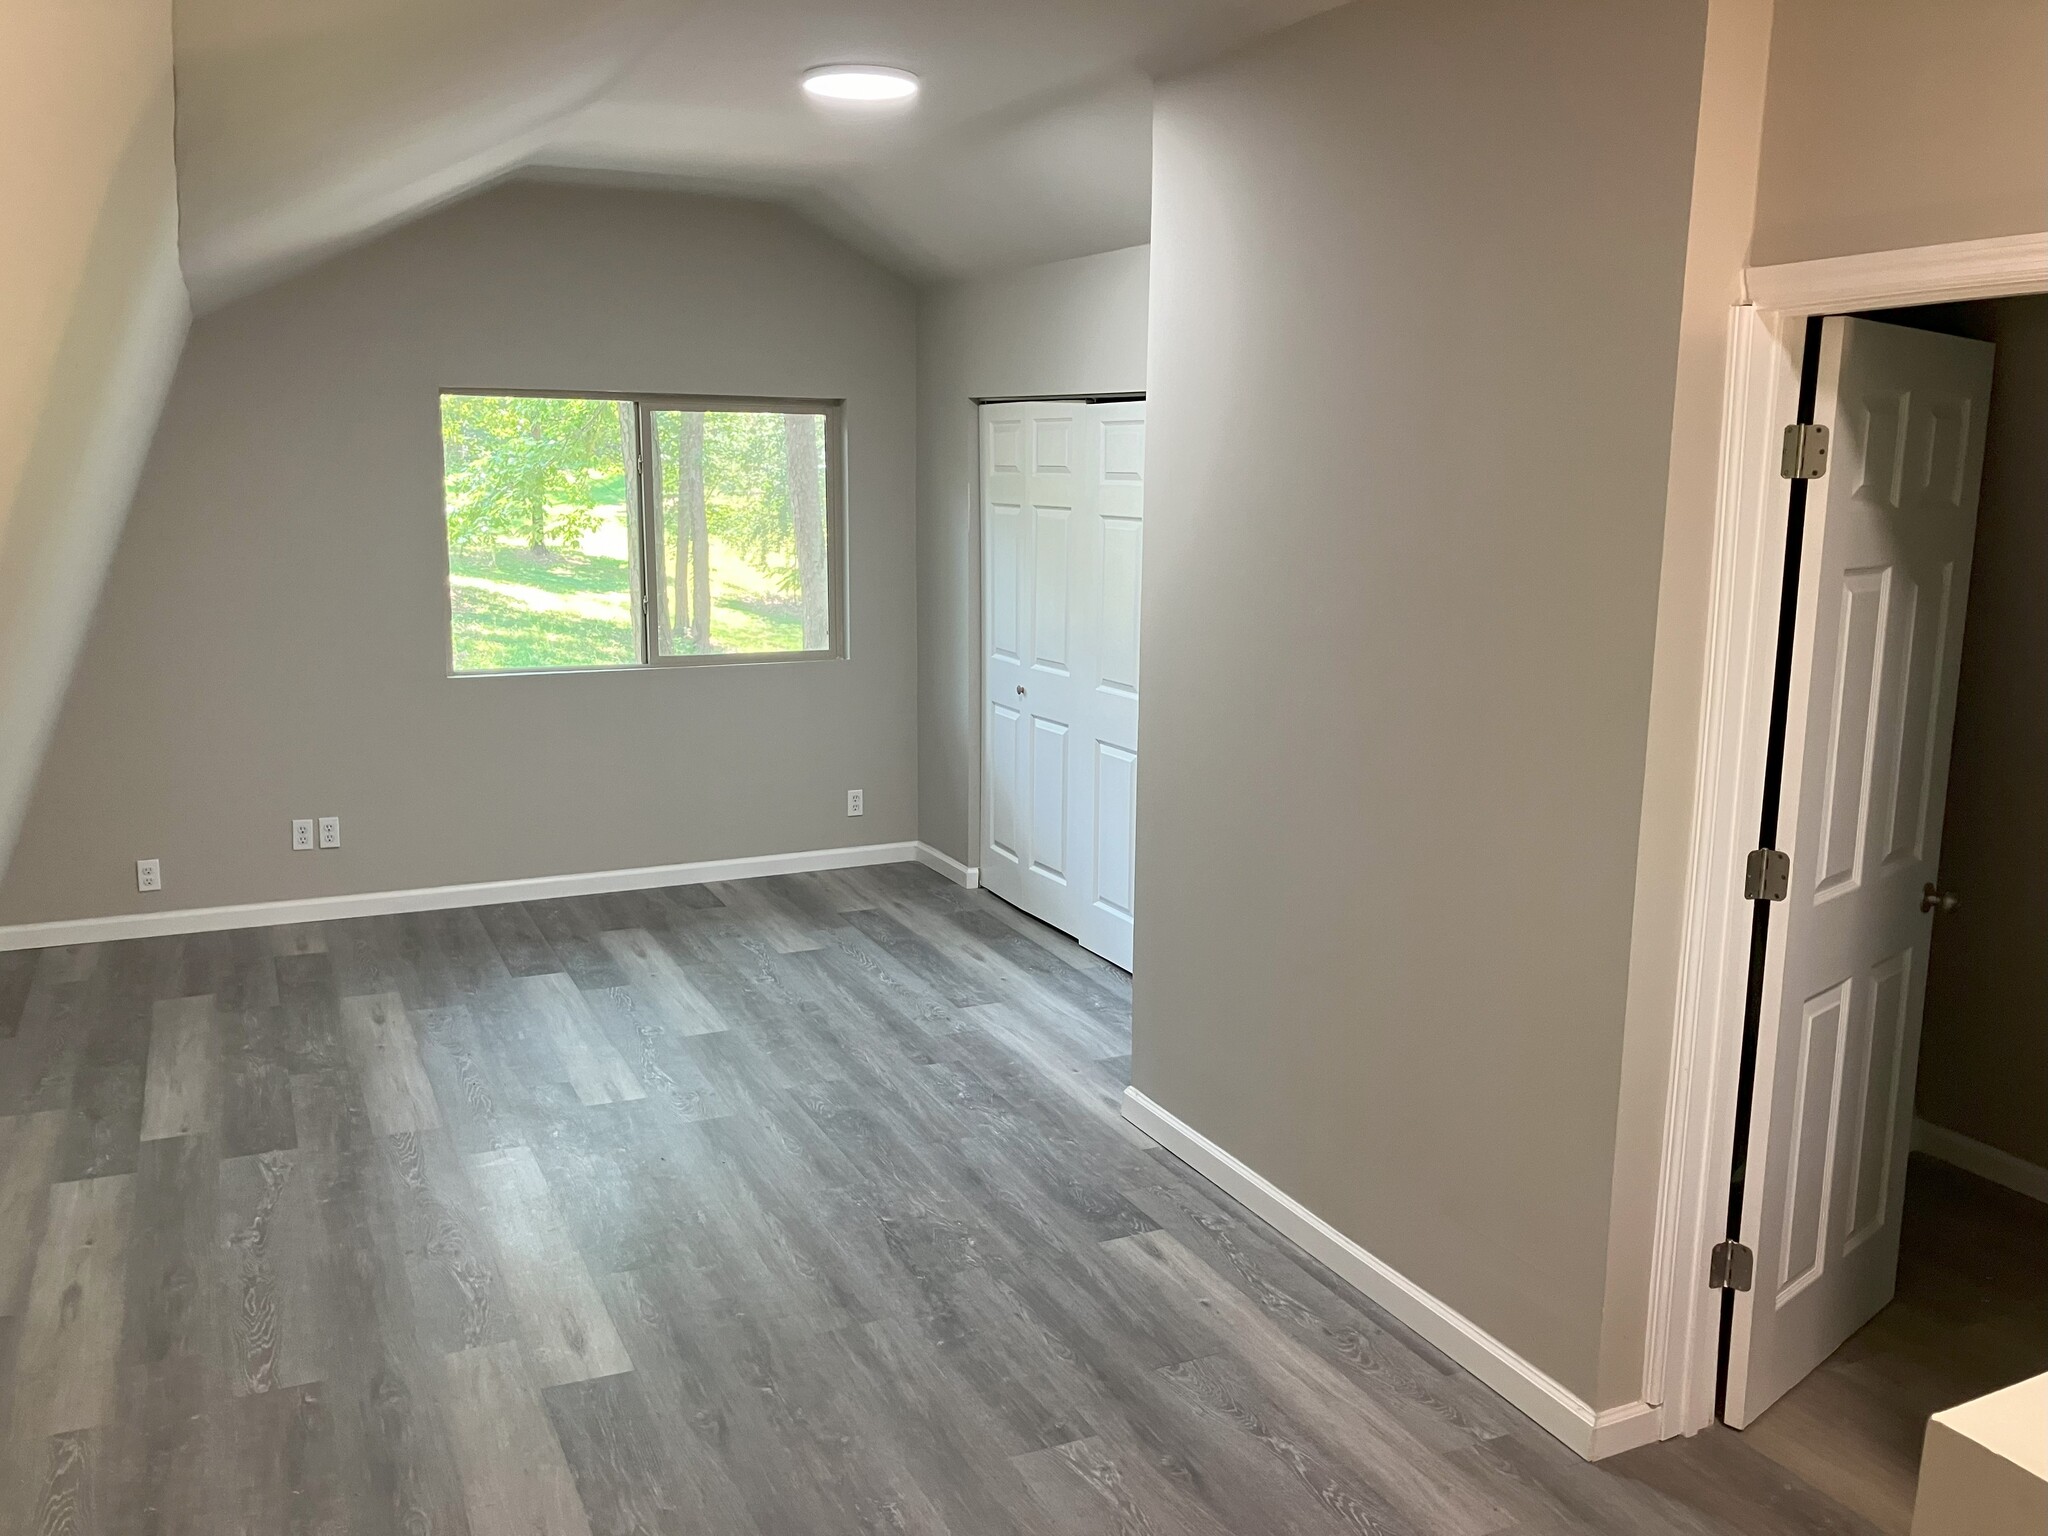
[797,1206]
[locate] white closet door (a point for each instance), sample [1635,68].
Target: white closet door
[1105,808]
[1876,647]
[1062,505]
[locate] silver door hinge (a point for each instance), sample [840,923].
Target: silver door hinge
[1730,1267]
[1806,451]
[1767,876]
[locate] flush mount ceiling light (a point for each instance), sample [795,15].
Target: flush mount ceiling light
[860,82]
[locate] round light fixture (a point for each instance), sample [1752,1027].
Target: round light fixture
[860,82]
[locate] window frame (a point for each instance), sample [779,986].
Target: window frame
[644,538]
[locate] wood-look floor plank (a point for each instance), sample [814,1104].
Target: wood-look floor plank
[273,1269]
[635,1475]
[1441,1405]
[235,968]
[658,1058]
[17,975]
[104,1135]
[295,939]
[308,1019]
[153,1463]
[784,927]
[559,1317]
[180,1095]
[64,1367]
[649,969]
[255,1082]
[597,1073]
[68,962]
[515,1481]
[285,1452]
[40,1060]
[28,1160]
[386,1057]
[519,941]
[483,1104]
[573,936]
[173,1290]
[1086,1489]
[1414,1479]
[458,1298]
[398,1467]
[58,1492]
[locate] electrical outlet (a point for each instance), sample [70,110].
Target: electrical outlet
[302,835]
[330,831]
[856,802]
[149,875]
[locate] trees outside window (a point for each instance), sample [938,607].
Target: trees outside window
[588,532]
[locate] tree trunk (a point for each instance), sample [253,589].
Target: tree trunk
[691,519]
[629,432]
[537,524]
[807,512]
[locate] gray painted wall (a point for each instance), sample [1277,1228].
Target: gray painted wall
[92,311]
[1895,123]
[1064,328]
[272,640]
[1984,1048]
[1416,283]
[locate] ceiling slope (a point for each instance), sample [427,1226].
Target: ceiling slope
[308,125]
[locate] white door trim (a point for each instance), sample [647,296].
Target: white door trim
[1765,337]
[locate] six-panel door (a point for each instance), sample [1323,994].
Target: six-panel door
[1877,646]
[1062,519]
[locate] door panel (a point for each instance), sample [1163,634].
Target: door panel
[1114,456]
[1049,799]
[1118,638]
[1063,505]
[1876,645]
[1880,1046]
[1858,672]
[1116,796]
[1005,580]
[1006,557]
[1005,739]
[1052,585]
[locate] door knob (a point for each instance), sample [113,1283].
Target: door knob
[1020,690]
[1933,899]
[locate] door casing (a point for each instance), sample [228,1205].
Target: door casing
[1766,341]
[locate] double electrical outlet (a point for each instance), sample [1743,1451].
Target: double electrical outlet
[307,835]
[302,834]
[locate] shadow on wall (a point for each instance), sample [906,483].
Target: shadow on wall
[93,417]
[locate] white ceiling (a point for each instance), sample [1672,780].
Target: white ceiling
[307,125]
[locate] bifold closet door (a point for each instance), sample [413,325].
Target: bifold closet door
[1062,539]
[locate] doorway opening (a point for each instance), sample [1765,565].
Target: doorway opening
[1890,1155]
[1062,533]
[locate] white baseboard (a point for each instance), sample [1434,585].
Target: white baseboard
[960,874]
[1593,1434]
[315,909]
[1953,1147]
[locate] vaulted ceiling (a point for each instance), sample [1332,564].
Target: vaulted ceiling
[306,125]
